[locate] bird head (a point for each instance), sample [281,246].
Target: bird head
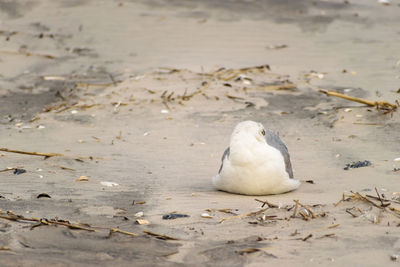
[249,129]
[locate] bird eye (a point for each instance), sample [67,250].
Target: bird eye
[263,132]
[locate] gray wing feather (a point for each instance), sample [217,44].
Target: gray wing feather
[273,140]
[226,154]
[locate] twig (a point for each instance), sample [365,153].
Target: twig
[295,209]
[383,207]
[185,97]
[13,217]
[294,233]
[234,97]
[379,196]
[46,155]
[351,213]
[65,168]
[28,54]
[340,201]
[228,73]
[31,153]
[359,196]
[266,202]
[304,215]
[333,226]
[305,238]
[10,169]
[114,230]
[229,211]
[160,236]
[327,235]
[70,225]
[369,123]
[259,68]
[243,215]
[378,104]
[247,251]
[388,200]
[83,84]
[394,209]
[313,216]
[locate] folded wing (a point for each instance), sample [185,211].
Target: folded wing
[273,140]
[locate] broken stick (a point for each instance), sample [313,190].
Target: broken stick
[160,236]
[10,169]
[266,202]
[378,104]
[31,153]
[46,155]
[295,209]
[243,215]
[115,230]
[14,217]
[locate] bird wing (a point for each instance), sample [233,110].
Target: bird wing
[273,140]
[226,154]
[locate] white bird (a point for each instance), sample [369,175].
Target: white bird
[256,162]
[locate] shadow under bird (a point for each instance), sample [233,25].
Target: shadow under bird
[256,162]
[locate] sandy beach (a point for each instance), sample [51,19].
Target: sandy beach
[133,102]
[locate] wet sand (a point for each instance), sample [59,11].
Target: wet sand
[132,92]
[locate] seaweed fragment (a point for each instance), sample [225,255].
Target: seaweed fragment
[357,164]
[173,216]
[19,171]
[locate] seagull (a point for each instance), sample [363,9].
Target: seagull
[256,162]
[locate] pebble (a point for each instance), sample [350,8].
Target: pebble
[139,214]
[142,222]
[110,184]
[384,2]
